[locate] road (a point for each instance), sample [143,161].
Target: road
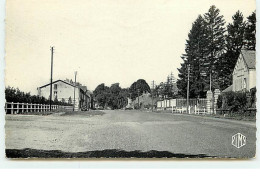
[130,131]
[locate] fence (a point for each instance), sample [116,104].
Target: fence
[197,106]
[19,108]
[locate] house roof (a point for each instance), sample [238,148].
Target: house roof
[228,89]
[249,58]
[84,88]
[56,82]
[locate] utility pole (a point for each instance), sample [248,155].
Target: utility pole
[74,90]
[138,98]
[152,91]
[51,75]
[188,88]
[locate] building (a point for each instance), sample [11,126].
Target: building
[145,100]
[244,74]
[64,91]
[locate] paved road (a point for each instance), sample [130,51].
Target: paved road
[129,131]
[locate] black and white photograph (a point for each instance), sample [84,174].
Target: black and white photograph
[147,79]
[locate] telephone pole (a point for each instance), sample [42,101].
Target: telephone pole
[152,91]
[188,88]
[51,75]
[74,91]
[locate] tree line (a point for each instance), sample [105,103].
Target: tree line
[212,49]
[115,97]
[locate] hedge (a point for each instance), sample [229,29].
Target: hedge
[237,101]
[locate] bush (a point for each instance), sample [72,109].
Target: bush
[233,101]
[219,101]
[253,97]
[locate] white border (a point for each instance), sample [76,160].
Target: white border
[5,163]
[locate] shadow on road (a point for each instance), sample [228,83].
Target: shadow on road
[111,153]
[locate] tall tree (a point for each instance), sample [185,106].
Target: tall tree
[216,44]
[234,44]
[250,31]
[195,53]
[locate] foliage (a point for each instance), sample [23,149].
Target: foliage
[212,50]
[194,57]
[253,97]
[234,44]
[15,95]
[166,89]
[233,101]
[114,97]
[219,102]
[139,87]
[250,31]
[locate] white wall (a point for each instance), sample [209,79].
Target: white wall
[64,91]
[239,74]
[252,78]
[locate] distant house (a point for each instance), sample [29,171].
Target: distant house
[64,91]
[244,74]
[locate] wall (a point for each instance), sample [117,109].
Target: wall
[252,78]
[144,99]
[239,74]
[64,91]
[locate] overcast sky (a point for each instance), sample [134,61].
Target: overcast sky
[106,41]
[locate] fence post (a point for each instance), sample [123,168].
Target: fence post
[189,110]
[12,107]
[17,108]
[209,101]
[195,109]
[22,108]
[216,94]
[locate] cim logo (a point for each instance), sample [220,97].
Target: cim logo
[238,140]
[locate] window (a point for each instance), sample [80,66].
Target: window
[55,86]
[244,84]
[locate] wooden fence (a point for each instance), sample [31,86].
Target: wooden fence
[20,108]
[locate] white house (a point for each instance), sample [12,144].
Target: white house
[244,74]
[64,91]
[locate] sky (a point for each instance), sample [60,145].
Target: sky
[105,41]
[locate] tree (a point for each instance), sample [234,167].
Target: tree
[101,93]
[215,48]
[250,31]
[195,53]
[113,100]
[234,44]
[114,96]
[167,89]
[139,87]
